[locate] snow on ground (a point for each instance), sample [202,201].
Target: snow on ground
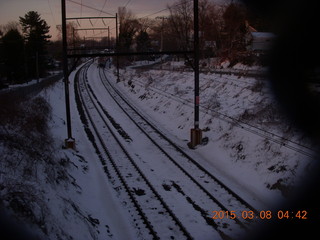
[96,198]
[55,193]
[250,141]
[238,116]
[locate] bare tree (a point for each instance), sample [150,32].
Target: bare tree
[129,26]
[73,37]
[181,23]
[162,33]
[146,24]
[234,31]
[211,25]
[12,25]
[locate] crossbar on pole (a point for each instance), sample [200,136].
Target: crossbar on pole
[75,18]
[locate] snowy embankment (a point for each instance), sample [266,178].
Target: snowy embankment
[65,194]
[50,192]
[250,142]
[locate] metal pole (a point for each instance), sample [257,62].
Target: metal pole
[196,65]
[161,43]
[117,47]
[109,38]
[69,141]
[196,133]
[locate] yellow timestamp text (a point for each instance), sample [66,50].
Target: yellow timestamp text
[263,215]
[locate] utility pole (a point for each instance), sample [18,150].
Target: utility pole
[117,48]
[161,43]
[70,141]
[196,132]
[109,38]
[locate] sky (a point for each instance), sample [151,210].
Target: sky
[50,10]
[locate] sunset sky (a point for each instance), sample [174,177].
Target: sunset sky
[50,10]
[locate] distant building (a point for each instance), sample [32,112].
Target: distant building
[259,42]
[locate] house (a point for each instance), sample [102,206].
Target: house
[259,42]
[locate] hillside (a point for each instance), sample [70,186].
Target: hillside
[250,140]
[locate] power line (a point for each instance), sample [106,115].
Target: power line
[52,13]
[81,9]
[166,9]
[127,3]
[105,2]
[92,8]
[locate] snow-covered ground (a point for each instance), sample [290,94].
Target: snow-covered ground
[251,148]
[250,141]
[55,193]
[95,196]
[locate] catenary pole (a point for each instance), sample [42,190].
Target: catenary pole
[196,132]
[196,64]
[69,142]
[117,47]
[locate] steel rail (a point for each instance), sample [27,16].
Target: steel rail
[122,179]
[232,193]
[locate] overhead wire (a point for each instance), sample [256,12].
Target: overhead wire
[104,5]
[165,9]
[127,3]
[227,117]
[81,9]
[149,15]
[154,13]
[52,13]
[247,126]
[89,7]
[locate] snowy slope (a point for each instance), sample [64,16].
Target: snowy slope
[251,148]
[96,198]
[55,193]
[251,144]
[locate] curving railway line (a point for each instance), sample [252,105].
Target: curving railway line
[167,193]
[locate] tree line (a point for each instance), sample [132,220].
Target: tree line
[223,30]
[23,48]
[24,45]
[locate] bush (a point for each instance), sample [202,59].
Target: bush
[27,159]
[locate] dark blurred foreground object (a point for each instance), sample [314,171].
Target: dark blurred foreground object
[294,71]
[10,229]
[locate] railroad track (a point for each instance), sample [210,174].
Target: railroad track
[169,195]
[129,177]
[245,125]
